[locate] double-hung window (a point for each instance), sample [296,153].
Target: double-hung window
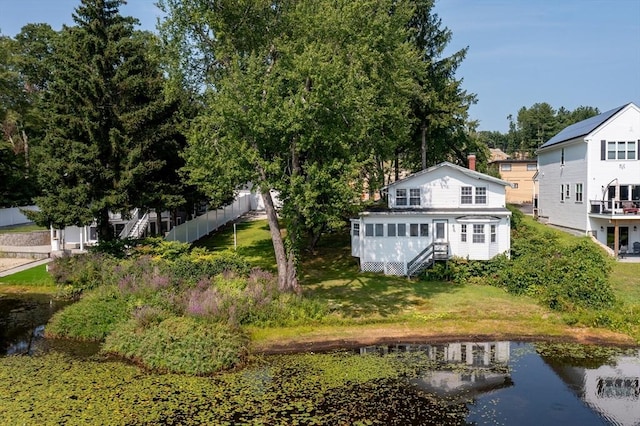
[578,192]
[402,230]
[356,229]
[493,233]
[379,230]
[478,233]
[463,233]
[481,195]
[466,195]
[401,197]
[414,196]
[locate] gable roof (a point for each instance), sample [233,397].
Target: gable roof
[464,170]
[582,128]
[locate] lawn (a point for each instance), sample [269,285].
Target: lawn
[33,279]
[369,305]
[30,227]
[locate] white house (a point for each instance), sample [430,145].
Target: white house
[589,178]
[443,211]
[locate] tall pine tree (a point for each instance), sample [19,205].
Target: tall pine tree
[107,120]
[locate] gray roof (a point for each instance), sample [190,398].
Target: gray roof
[582,128]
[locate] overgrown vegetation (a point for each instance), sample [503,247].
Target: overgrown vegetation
[170,307]
[569,275]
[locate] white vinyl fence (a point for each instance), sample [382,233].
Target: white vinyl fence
[13,216]
[202,225]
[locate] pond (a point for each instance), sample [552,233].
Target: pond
[499,382]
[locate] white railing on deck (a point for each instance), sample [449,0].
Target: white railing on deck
[202,225]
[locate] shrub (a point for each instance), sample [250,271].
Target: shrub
[192,267]
[75,274]
[91,318]
[179,345]
[158,247]
[118,247]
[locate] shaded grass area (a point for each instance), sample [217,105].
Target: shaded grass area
[368,304]
[32,277]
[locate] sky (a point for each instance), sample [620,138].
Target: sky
[567,53]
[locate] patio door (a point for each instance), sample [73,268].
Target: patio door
[623,236]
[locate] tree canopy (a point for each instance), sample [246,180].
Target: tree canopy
[301,98]
[109,126]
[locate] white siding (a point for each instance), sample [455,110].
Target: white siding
[553,176]
[441,188]
[583,163]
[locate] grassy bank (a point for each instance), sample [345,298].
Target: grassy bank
[367,307]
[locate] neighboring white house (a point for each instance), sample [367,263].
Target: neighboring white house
[443,211]
[589,178]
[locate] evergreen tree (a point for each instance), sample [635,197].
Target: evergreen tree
[107,120]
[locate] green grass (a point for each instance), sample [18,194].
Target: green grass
[368,303]
[33,277]
[253,241]
[22,228]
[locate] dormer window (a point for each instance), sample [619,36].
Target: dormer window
[401,197]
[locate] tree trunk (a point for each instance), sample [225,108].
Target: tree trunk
[158,222]
[287,277]
[105,231]
[424,147]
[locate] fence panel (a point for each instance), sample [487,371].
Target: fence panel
[202,225]
[13,216]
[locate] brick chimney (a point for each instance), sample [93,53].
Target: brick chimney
[471,158]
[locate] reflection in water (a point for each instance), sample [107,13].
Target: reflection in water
[510,383]
[611,389]
[462,370]
[22,322]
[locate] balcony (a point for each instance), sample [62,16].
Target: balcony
[615,208]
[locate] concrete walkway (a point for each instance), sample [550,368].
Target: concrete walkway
[25,266]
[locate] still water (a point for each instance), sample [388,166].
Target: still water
[498,383]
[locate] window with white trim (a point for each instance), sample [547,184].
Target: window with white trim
[505,167]
[414,196]
[463,233]
[481,195]
[391,230]
[401,197]
[478,233]
[493,233]
[356,229]
[402,230]
[368,230]
[414,230]
[424,229]
[562,192]
[567,193]
[466,195]
[532,167]
[622,150]
[379,230]
[578,192]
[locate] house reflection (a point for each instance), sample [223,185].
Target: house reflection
[612,390]
[461,370]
